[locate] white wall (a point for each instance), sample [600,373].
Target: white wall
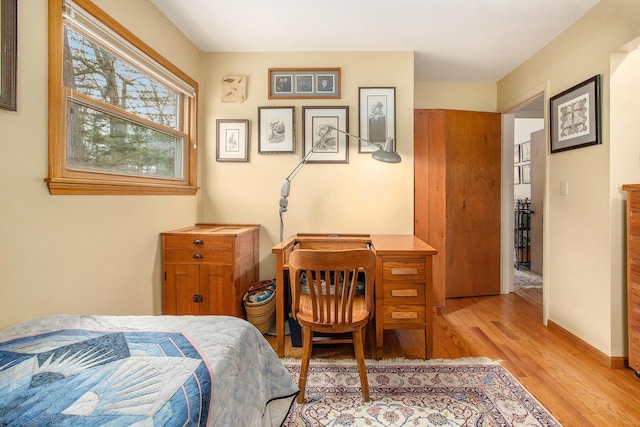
[362,196]
[78,254]
[470,96]
[583,269]
[101,254]
[522,133]
[625,166]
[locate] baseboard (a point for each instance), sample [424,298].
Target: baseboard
[616,362]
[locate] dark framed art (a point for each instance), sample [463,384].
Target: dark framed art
[301,83]
[276,130]
[232,140]
[9,46]
[516,174]
[526,151]
[526,174]
[575,116]
[319,126]
[516,153]
[377,116]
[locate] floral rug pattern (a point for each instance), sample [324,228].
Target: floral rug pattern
[415,393]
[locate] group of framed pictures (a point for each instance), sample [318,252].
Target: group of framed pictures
[325,129]
[522,172]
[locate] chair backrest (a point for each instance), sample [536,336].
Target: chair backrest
[332,278]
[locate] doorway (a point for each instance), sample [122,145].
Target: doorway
[526,131]
[527,190]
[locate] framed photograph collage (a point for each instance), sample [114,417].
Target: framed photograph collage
[304,83]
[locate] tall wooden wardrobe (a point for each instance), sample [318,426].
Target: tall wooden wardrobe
[457,199]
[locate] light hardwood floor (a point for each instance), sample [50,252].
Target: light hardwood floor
[570,381]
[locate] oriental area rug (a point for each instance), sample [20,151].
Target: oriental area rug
[461,392]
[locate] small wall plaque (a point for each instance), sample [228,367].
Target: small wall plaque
[234,88]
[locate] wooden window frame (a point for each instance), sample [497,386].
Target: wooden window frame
[64,181]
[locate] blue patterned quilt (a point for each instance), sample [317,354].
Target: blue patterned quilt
[141,370]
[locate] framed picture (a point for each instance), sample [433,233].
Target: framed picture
[8,52]
[575,116]
[377,116]
[301,83]
[233,140]
[276,130]
[516,153]
[526,174]
[319,126]
[526,151]
[516,174]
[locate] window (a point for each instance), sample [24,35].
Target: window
[121,118]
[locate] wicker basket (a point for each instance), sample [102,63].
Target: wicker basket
[261,314]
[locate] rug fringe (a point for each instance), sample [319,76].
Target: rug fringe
[399,360]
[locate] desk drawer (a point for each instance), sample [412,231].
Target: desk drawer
[406,315]
[194,255]
[198,242]
[403,270]
[403,293]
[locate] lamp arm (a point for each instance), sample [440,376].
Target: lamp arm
[304,160]
[356,137]
[385,153]
[285,187]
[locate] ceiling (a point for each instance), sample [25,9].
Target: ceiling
[453,40]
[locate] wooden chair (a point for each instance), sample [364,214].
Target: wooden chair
[329,303]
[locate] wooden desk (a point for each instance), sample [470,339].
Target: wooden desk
[404,281]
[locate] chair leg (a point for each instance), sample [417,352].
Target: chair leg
[307,344]
[358,346]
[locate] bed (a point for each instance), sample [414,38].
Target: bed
[69,370]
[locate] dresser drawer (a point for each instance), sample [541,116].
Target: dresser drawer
[403,316]
[196,255]
[395,293]
[200,242]
[403,270]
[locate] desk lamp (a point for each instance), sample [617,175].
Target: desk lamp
[385,153]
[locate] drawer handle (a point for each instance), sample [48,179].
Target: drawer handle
[198,256]
[198,242]
[404,293]
[406,270]
[404,315]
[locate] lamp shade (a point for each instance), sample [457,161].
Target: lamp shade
[388,153]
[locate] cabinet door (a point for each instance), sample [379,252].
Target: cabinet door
[181,285]
[473,147]
[217,290]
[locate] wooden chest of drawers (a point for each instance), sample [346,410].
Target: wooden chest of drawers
[633,274]
[404,295]
[403,292]
[208,268]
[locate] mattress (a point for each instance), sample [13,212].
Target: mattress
[68,370]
